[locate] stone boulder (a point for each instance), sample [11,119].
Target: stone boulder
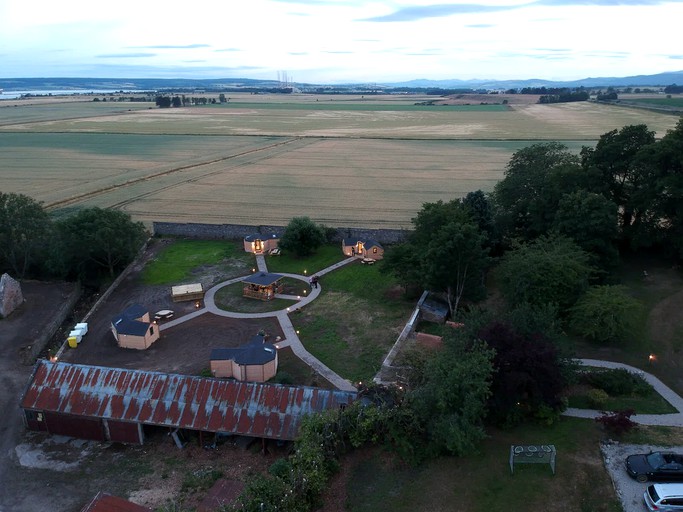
[10,295]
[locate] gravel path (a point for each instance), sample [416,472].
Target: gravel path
[629,492]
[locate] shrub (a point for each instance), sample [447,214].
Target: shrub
[618,382]
[607,314]
[617,422]
[597,398]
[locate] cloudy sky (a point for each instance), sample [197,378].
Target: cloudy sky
[333,41]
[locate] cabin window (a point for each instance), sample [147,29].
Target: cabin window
[374,250]
[151,330]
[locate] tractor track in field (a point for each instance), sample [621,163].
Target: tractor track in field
[104,190]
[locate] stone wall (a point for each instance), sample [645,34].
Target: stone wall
[239,231]
[31,353]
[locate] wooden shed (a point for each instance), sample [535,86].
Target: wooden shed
[262,285]
[184,292]
[261,244]
[254,362]
[133,328]
[363,248]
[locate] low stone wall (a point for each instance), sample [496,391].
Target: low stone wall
[239,231]
[388,373]
[106,294]
[31,352]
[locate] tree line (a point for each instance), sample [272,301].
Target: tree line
[91,245]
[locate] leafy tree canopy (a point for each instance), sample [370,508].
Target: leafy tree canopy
[96,239]
[24,226]
[528,377]
[550,270]
[302,236]
[607,314]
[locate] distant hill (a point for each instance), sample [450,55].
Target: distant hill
[658,80]
[158,84]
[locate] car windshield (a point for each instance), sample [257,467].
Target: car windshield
[656,459]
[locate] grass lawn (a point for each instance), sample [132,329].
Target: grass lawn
[661,292]
[287,263]
[355,321]
[230,298]
[481,481]
[184,259]
[289,365]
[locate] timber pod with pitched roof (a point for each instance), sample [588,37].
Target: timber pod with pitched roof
[262,285]
[363,248]
[254,362]
[261,244]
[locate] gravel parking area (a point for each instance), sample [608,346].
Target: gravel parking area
[629,491]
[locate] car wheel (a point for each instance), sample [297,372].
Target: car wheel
[641,478]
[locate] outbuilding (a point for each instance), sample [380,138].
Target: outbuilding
[133,328]
[183,292]
[261,244]
[262,285]
[363,248]
[254,362]
[120,405]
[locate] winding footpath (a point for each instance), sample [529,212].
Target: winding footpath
[291,339]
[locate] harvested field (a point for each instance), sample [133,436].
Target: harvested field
[260,159]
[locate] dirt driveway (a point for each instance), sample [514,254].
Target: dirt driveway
[40,472]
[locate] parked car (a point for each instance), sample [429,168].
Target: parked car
[664,497]
[164,314]
[655,466]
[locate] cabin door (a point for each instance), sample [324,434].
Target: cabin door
[258,246]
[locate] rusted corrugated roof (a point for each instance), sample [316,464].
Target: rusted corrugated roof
[104,502]
[211,405]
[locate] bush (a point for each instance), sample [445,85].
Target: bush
[597,398]
[607,314]
[617,422]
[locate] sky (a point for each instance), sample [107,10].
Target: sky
[341,41]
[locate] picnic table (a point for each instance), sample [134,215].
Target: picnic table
[367,261]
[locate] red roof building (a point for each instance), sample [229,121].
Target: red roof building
[114,404]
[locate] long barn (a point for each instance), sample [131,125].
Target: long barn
[115,404]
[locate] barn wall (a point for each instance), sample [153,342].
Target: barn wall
[75,426]
[124,432]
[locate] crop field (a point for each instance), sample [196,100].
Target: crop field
[262,159]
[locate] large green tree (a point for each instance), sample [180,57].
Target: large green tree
[455,261]
[535,180]
[302,236]
[96,239]
[451,402]
[591,221]
[446,253]
[24,228]
[550,270]
[627,178]
[607,314]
